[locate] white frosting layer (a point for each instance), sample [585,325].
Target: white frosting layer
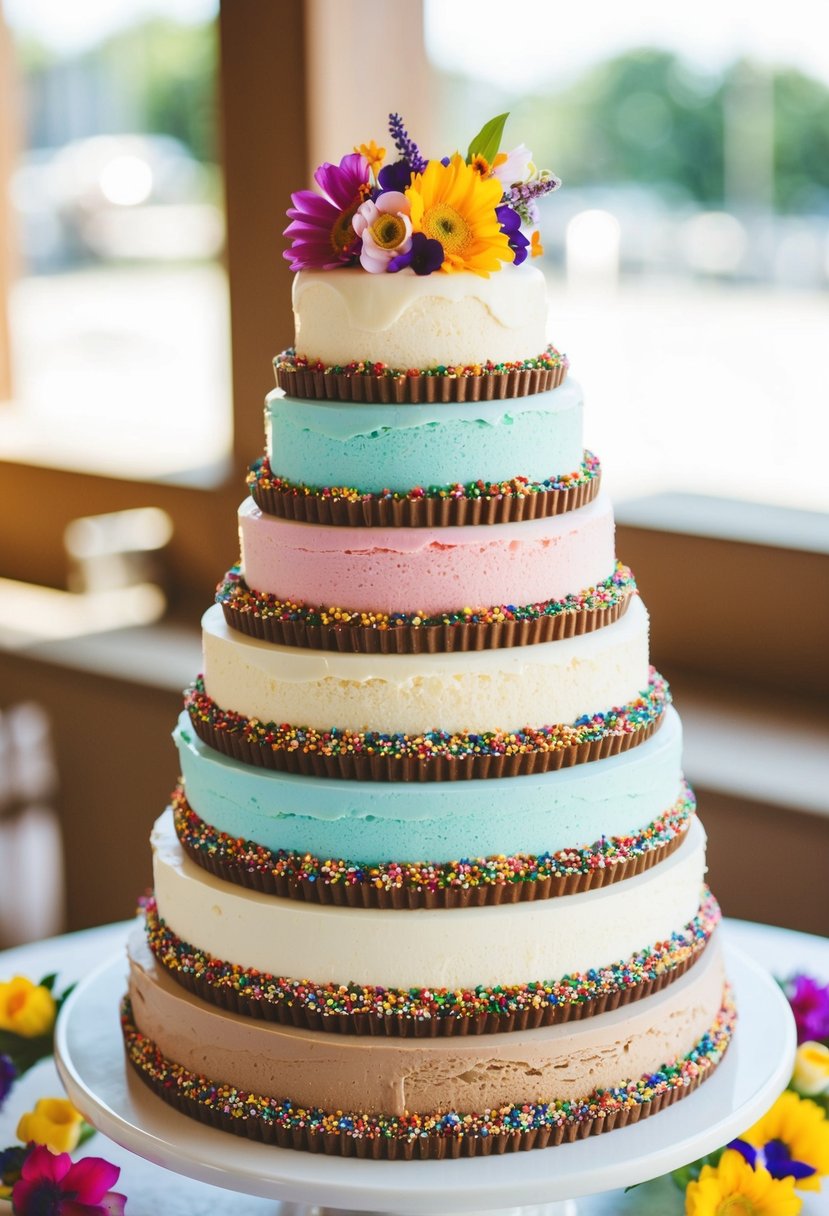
[459,947]
[420,321]
[555,682]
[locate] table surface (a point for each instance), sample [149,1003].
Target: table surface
[151,1188]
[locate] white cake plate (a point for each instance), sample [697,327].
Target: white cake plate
[90,1058]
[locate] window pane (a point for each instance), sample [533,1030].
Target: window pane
[688,250]
[119,314]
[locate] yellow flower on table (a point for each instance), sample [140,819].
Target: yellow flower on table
[811,1069]
[733,1188]
[26,1009]
[54,1122]
[803,1128]
[453,204]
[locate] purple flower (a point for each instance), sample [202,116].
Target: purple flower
[776,1157]
[810,1005]
[321,232]
[8,1074]
[406,146]
[50,1185]
[11,1163]
[396,177]
[510,222]
[424,256]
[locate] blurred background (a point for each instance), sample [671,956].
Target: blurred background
[147,154]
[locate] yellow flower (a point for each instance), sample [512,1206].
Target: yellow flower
[453,204]
[374,155]
[26,1009]
[536,248]
[53,1122]
[733,1188]
[803,1128]
[811,1069]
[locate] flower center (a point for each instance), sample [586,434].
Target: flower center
[46,1200]
[443,223]
[16,1002]
[342,234]
[736,1205]
[388,231]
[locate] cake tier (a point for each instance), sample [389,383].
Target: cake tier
[427,570]
[407,320]
[511,944]
[370,822]
[377,448]
[479,691]
[560,1063]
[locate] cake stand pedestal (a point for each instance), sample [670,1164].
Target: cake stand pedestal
[91,1061]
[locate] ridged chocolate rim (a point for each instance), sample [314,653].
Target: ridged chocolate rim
[289,749]
[262,616]
[376,384]
[430,1013]
[435,1137]
[424,511]
[479,882]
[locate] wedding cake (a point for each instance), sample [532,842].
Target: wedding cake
[432,883]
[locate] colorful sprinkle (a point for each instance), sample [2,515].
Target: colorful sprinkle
[628,719]
[289,361]
[262,477]
[465,874]
[510,1120]
[234,592]
[334,1001]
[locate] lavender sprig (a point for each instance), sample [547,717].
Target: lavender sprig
[406,146]
[523,197]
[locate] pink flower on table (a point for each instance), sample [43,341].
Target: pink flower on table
[385,229]
[51,1185]
[322,236]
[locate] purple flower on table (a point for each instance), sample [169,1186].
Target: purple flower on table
[424,256]
[321,230]
[51,1185]
[8,1075]
[510,222]
[810,1004]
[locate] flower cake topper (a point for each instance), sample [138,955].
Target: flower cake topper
[458,213]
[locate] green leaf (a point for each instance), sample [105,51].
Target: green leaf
[24,1052]
[48,981]
[488,140]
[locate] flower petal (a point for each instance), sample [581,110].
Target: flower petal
[90,1179]
[40,1163]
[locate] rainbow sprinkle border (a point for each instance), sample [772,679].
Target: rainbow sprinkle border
[261,477]
[463,883]
[442,1134]
[427,1012]
[260,612]
[289,361]
[433,755]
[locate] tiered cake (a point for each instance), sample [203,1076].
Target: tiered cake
[432,882]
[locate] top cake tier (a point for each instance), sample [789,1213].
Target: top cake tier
[408,337]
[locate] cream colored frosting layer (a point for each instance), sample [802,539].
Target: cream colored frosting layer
[420,321]
[427,570]
[442,948]
[555,682]
[392,1076]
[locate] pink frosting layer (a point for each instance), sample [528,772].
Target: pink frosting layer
[427,570]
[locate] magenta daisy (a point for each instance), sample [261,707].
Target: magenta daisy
[51,1185]
[321,231]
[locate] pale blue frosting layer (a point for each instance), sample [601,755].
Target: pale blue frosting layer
[434,821]
[377,447]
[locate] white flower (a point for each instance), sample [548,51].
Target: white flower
[811,1069]
[385,229]
[518,167]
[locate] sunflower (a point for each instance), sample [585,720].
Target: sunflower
[453,204]
[792,1139]
[733,1188]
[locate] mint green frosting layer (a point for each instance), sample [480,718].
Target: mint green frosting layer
[434,821]
[397,447]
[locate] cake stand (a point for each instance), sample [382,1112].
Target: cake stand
[91,1061]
